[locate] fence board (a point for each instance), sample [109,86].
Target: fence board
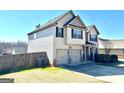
[12,62]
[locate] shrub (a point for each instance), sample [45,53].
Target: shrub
[105,58]
[114,58]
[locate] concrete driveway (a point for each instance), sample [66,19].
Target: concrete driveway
[111,74]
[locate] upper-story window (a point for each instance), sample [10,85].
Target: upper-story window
[35,36]
[93,37]
[76,33]
[59,32]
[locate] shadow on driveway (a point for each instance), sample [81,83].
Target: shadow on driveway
[95,70]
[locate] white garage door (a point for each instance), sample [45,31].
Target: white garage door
[62,56]
[75,55]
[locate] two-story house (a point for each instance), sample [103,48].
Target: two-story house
[65,39]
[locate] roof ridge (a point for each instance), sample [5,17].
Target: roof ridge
[57,17]
[52,21]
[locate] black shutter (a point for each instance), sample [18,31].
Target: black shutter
[72,33]
[96,38]
[62,32]
[81,34]
[56,31]
[90,37]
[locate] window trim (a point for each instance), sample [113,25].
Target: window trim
[91,38]
[77,37]
[57,32]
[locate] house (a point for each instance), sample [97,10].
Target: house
[115,46]
[65,39]
[19,50]
[8,51]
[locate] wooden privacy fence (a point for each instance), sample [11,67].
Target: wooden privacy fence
[19,61]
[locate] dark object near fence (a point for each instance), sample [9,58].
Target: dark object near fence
[105,58]
[42,62]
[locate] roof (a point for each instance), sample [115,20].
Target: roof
[69,22]
[89,43]
[93,26]
[51,22]
[116,44]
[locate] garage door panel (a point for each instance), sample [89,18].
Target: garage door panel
[62,56]
[75,55]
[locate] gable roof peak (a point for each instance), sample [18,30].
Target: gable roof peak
[93,26]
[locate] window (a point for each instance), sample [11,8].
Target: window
[32,36]
[77,34]
[93,37]
[59,32]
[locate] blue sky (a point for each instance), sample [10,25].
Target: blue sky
[14,25]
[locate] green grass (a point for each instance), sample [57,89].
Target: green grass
[50,75]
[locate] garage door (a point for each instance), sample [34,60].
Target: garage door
[61,57]
[75,55]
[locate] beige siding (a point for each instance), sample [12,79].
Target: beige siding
[64,20]
[76,22]
[44,43]
[92,31]
[70,40]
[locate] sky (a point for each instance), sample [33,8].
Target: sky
[15,24]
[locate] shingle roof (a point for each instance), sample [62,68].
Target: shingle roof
[89,43]
[53,21]
[74,19]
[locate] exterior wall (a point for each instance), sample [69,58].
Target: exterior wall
[101,44]
[92,31]
[59,43]
[76,22]
[43,43]
[70,40]
[64,20]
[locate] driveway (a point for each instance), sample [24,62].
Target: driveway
[111,74]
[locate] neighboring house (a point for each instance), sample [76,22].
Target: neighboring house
[65,39]
[116,46]
[8,51]
[19,50]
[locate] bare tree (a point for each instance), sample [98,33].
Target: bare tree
[108,46]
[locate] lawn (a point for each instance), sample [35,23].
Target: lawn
[50,75]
